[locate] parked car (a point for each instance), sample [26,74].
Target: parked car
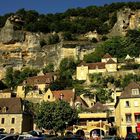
[9,137]
[111,138]
[73,137]
[35,138]
[132,136]
[2,135]
[23,137]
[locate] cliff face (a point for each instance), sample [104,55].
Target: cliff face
[19,49]
[126,20]
[9,35]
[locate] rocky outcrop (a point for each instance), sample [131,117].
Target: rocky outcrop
[8,34]
[126,20]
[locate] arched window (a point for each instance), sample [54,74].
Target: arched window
[12,130]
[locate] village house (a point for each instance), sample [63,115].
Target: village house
[13,117]
[106,57]
[107,64]
[38,85]
[127,110]
[95,119]
[66,95]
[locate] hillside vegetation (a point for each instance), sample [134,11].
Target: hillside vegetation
[79,20]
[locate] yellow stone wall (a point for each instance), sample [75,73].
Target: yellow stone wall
[32,94]
[82,72]
[91,71]
[20,91]
[69,52]
[111,67]
[17,126]
[5,95]
[49,96]
[120,117]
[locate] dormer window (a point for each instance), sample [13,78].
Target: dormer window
[4,109]
[135,91]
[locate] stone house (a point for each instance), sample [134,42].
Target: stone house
[127,110]
[107,64]
[93,120]
[13,118]
[66,95]
[111,65]
[5,93]
[39,85]
[106,58]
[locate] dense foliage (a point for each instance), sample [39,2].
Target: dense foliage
[78,20]
[117,47]
[15,77]
[67,68]
[55,115]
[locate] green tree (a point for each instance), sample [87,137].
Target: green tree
[14,78]
[48,68]
[66,70]
[104,95]
[9,79]
[53,39]
[55,115]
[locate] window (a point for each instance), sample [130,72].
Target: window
[13,120]
[12,130]
[48,96]
[127,104]
[2,121]
[137,117]
[128,118]
[136,103]
[135,91]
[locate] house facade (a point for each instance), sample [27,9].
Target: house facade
[96,119]
[38,84]
[13,119]
[107,64]
[127,110]
[66,95]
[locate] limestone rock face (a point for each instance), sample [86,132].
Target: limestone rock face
[9,35]
[32,41]
[126,20]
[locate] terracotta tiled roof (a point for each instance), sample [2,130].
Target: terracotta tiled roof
[107,56]
[99,107]
[98,65]
[82,63]
[67,95]
[127,93]
[42,79]
[110,61]
[12,105]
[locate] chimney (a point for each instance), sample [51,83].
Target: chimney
[61,96]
